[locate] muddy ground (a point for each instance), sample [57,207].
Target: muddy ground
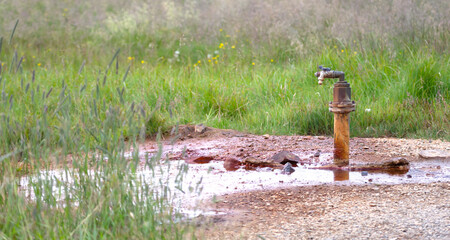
[340,210]
[224,143]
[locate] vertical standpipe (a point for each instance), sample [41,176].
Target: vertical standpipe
[341,106]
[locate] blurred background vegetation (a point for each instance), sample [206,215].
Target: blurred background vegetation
[246,65]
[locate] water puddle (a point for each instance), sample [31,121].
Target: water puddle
[208,180]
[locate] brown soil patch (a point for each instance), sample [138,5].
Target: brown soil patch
[331,211]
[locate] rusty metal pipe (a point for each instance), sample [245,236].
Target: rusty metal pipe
[341,139]
[341,106]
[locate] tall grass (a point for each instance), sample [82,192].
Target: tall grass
[70,99]
[84,125]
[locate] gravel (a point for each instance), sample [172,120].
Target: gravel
[406,211]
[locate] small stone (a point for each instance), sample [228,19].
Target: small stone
[408,176]
[370,180]
[199,159]
[364,173]
[200,128]
[231,164]
[287,169]
[284,156]
[365,147]
[396,162]
[434,153]
[266,136]
[317,154]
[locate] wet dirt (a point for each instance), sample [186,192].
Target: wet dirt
[231,189]
[222,144]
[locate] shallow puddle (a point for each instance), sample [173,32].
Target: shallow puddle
[205,181]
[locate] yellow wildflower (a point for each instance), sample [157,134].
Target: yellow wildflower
[34,56]
[233,47]
[142,61]
[209,60]
[221,45]
[271,60]
[199,62]
[221,29]
[342,50]
[355,53]
[39,64]
[215,62]
[253,63]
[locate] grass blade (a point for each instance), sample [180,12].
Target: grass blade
[112,60]
[18,65]
[49,91]
[117,65]
[81,68]
[13,31]
[13,61]
[126,73]
[109,65]
[82,88]
[2,158]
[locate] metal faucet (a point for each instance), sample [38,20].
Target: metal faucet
[341,106]
[328,73]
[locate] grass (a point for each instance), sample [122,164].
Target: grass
[69,93]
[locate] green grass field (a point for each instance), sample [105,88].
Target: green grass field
[78,78]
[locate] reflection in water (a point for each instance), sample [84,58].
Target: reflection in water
[392,171]
[341,175]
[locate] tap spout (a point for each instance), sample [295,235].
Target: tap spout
[330,74]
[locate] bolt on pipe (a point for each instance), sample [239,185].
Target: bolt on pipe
[341,106]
